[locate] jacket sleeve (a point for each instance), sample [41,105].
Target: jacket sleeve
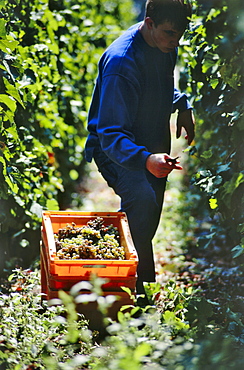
[180,101]
[119,101]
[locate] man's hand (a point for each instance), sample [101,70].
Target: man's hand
[161,164]
[186,120]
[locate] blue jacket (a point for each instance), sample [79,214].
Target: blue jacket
[132,101]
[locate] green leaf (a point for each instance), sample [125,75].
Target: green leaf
[213,203]
[127,290]
[9,101]
[8,45]
[121,317]
[2,27]
[142,350]
[73,174]
[12,91]
[207,154]
[210,184]
[12,132]
[223,168]
[207,64]
[214,82]
[52,205]
[12,186]
[230,186]
[237,251]
[2,3]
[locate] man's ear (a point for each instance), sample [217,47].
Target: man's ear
[149,22]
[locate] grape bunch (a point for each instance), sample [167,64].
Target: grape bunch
[91,241]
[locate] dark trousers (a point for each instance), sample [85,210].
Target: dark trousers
[141,196]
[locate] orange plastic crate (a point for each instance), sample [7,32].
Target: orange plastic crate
[89,310]
[66,282]
[52,221]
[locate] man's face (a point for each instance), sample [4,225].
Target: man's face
[165,36]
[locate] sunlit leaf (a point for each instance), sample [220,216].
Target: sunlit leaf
[2,27]
[12,91]
[8,45]
[142,350]
[213,203]
[9,101]
[52,204]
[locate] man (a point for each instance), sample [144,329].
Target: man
[129,118]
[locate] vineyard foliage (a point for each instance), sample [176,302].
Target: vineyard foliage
[49,52]
[48,58]
[213,77]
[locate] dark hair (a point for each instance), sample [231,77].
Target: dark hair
[177,12]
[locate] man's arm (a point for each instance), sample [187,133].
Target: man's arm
[114,122]
[186,120]
[185,116]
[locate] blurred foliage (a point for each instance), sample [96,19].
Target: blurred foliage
[213,76]
[49,52]
[54,336]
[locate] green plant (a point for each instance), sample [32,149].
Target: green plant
[213,76]
[48,58]
[30,331]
